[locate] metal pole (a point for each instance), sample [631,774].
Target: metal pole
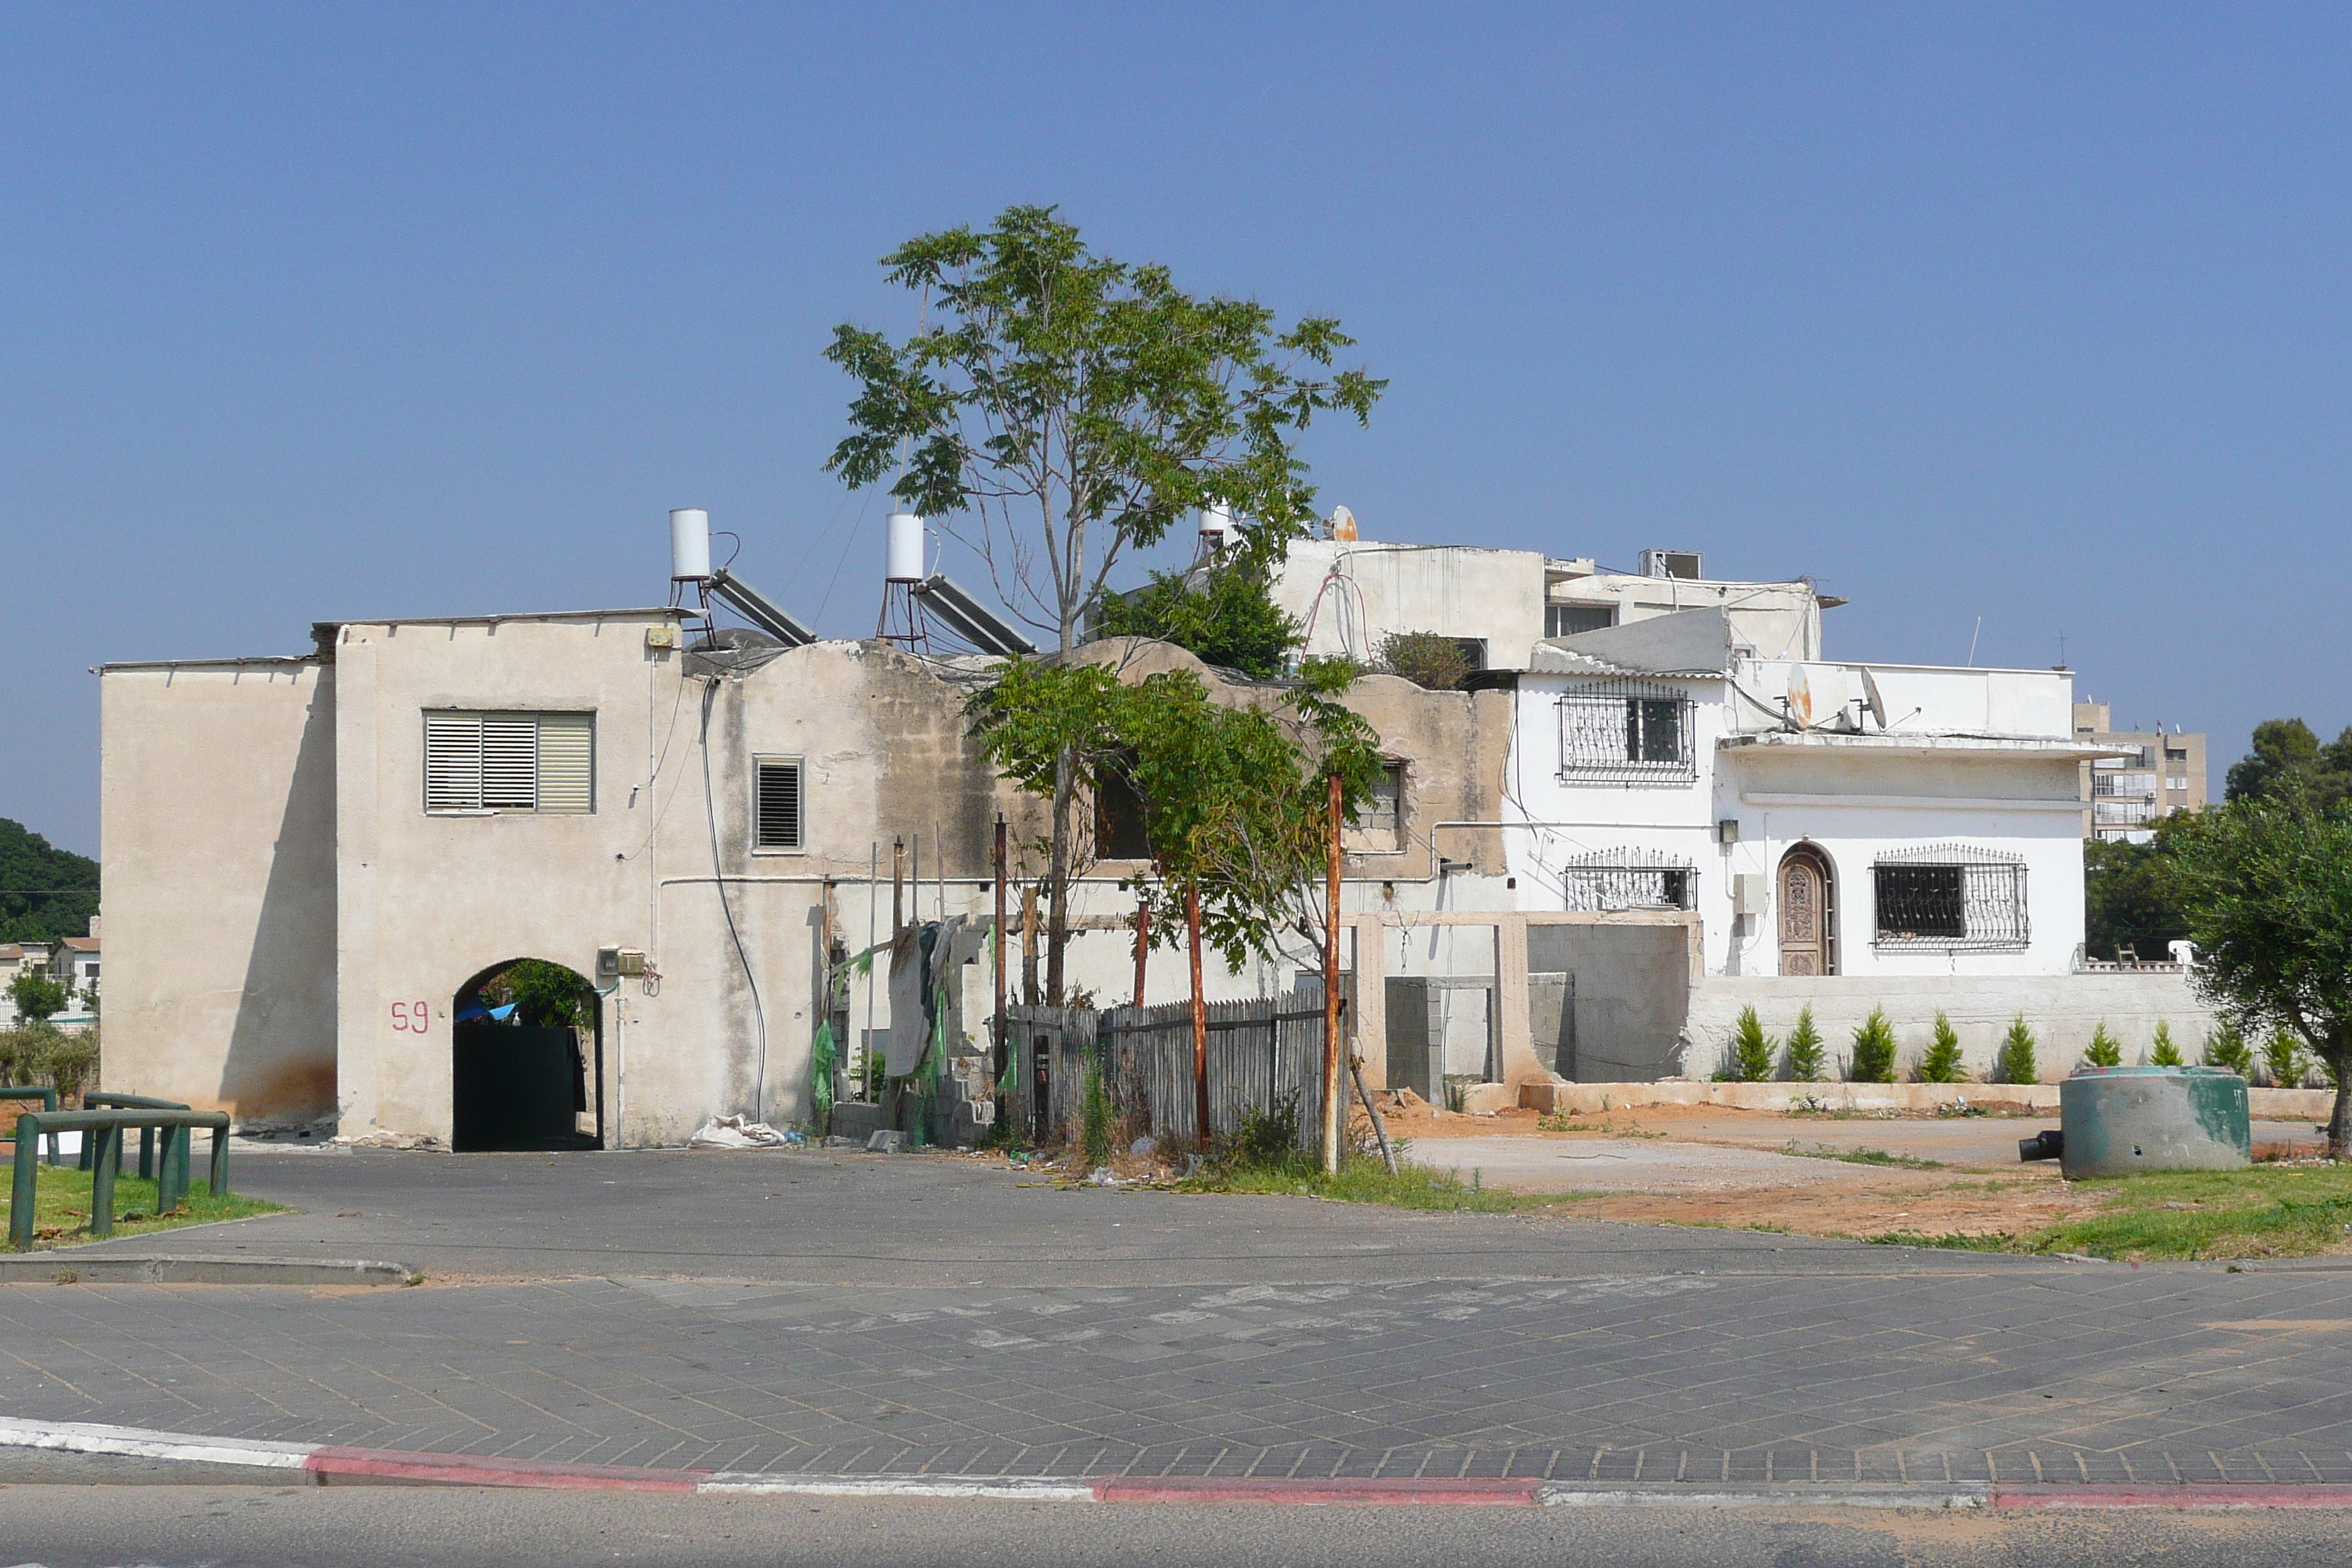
[1142,944]
[27,1177]
[873,886]
[1332,1107]
[898,885]
[1200,1019]
[1004,1036]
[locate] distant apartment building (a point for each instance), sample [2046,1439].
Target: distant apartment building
[2128,794]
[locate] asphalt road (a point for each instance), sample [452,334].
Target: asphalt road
[167,1527]
[852,1313]
[812,1218]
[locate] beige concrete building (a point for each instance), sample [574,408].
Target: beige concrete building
[2158,775]
[311,861]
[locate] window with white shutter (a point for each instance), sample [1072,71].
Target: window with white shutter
[481,764]
[779,824]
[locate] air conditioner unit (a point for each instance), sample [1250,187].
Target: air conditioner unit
[1683,564]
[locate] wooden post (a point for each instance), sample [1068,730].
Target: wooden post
[1200,1017]
[1004,1037]
[1142,944]
[898,885]
[1029,945]
[1334,1107]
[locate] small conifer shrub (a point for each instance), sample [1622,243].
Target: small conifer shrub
[2162,1052]
[2015,1063]
[2225,1047]
[1748,1058]
[1803,1061]
[2104,1050]
[2283,1058]
[1874,1050]
[1942,1062]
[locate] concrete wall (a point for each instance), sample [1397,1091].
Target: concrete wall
[218,816]
[1632,986]
[1774,620]
[2062,1010]
[1353,594]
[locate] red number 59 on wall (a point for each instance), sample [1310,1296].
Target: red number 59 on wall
[412,1017]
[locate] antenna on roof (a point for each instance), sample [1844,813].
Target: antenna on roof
[1869,696]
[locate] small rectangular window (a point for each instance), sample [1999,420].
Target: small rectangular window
[1566,620]
[1381,816]
[1121,831]
[540,764]
[781,819]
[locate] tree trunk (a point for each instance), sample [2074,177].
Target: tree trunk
[2339,1119]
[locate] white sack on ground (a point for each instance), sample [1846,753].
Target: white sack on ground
[738,1133]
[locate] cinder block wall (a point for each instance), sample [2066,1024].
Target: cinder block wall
[2062,1009]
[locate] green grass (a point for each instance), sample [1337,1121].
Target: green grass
[2267,1212]
[61,1207]
[1862,1157]
[1366,1181]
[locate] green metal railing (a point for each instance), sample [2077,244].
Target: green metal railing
[101,1134]
[41,1092]
[176,1144]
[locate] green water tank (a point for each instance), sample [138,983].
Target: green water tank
[2119,1122]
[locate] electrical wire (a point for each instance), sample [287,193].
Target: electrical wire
[718,876]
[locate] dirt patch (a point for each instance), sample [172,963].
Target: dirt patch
[1924,1202]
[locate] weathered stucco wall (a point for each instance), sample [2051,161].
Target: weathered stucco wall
[217,802]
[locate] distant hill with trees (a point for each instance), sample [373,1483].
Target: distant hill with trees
[46,892]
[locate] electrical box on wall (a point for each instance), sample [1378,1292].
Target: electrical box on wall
[661,636]
[1748,892]
[614,962]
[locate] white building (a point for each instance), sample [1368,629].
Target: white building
[1847,836]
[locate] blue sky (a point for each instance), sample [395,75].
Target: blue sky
[2032,313]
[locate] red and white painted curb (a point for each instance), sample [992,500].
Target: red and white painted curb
[320,1464]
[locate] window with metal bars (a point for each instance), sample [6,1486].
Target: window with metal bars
[1952,895]
[480,763]
[1627,879]
[1626,731]
[780,818]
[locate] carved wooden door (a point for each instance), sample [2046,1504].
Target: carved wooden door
[1804,946]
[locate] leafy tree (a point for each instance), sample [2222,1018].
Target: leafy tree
[2162,1052]
[2104,1050]
[1874,1050]
[1225,614]
[38,997]
[2268,888]
[45,893]
[1749,1058]
[1057,408]
[1233,797]
[2131,895]
[546,995]
[1803,1062]
[2013,1063]
[1426,659]
[2287,758]
[2225,1047]
[1941,1063]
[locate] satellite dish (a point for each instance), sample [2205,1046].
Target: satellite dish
[1877,703]
[1343,525]
[1801,697]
